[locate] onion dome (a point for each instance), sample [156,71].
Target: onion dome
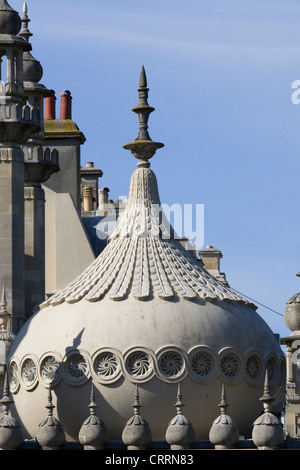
[50,434]
[144,312]
[11,435]
[180,433]
[137,434]
[10,22]
[292,313]
[267,431]
[224,433]
[93,433]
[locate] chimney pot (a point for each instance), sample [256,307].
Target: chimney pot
[50,106]
[65,105]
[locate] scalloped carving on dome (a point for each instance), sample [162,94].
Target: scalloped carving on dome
[143,257]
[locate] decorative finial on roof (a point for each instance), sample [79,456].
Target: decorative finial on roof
[267,433]
[10,430]
[50,434]
[223,405]
[137,434]
[224,433]
[25,33]
[143,147]
[267,398]
[180,433]
[4,315]
[93,433]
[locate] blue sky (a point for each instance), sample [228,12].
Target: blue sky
[220,74]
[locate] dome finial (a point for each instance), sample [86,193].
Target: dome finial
[10,430]
[267,433]
[50,434]
[143,147]
[137,434]
[180,433]
[93,433]
[143,78]
[25,33]
[223,404]
[224,433]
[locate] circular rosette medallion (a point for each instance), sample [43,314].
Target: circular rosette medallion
[107,365]
[138,365]
[50,368]
[76,367]
[171,363]
[202,364]
[230,365]
[14,375]
[29,375]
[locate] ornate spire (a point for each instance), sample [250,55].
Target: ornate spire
[50,434]
[224,433]
[267,398]
[93,434]
[223,404]
[267,433]
[10,431]
[143,147]
[25,33]
[180,433]
[33,71]
[136,434]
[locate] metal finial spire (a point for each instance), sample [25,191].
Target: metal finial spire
[50,405]
[143,147]
[267,398]
[25,33]
[92,405]
[179,404]
[143,78]
[136,406]
[223,405]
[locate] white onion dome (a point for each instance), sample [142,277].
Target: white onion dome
[10,21]
[144,312]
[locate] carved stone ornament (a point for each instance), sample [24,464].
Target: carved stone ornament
[170,364]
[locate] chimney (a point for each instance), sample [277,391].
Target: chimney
[87,196]
[50,106]
[65,105]
[210,258]
[103,196]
